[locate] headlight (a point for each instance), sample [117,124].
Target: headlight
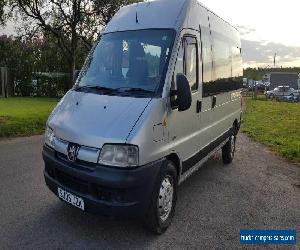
[119,155]
[49,137]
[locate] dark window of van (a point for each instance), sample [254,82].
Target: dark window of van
[226,74]
[237,69]
[187,62]
[191,61]
[179,65]
[178,70]
[206,55]
[222,59]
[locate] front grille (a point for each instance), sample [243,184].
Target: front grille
[83,165]
[72,182]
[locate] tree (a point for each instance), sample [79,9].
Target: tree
[3,15]
[36,58]
[69,21]
[107,8]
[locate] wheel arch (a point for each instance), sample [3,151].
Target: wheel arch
[173,157]
[236,126]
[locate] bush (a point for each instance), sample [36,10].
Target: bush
[50,87]
[24,88]
[42,86]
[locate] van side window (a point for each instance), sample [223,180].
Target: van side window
[236,61]
[179,63]
[187,64]
[222,59]
[191,62]
[178,70]
[206,56]
[226,73]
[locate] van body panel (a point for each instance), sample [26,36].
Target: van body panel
[145,132]
[91,120]
[183,127]
[219,119]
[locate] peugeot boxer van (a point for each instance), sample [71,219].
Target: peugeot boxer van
[158,94]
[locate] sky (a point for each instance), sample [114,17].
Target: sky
[267,27]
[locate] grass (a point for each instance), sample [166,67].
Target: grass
[275,124]
[24,116]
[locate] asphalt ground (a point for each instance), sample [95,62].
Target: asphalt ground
[257,191]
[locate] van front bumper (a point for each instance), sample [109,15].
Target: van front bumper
[105,190]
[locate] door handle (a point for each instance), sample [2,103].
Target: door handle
[214,102]
[199,106]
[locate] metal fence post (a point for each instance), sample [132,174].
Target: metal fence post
[2,89]
[5,83]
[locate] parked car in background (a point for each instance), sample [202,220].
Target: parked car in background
[258,85]
[280,91]
[289,98]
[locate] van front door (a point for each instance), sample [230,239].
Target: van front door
[183,126]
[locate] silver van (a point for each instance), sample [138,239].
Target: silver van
[158,94]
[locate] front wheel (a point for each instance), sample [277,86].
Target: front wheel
[161,211]
[228,150]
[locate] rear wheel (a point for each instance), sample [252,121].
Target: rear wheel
[228,150]
[162,208]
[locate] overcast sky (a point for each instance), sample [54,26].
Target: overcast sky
[266,27]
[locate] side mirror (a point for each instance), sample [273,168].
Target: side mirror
[184,95]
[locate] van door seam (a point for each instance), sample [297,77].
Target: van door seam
[137,120]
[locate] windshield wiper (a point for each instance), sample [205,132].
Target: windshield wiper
[92,87]
[135,90]
[111,90]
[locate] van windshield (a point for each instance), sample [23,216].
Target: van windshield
[130,61]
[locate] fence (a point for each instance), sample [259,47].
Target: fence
[39,84]
[6,83]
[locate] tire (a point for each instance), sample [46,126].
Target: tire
[163,201]
[228,150]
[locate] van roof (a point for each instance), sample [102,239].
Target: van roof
[164,14]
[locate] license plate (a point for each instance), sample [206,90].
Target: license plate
[71,198]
